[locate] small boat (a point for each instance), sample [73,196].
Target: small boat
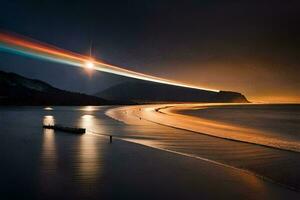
[65,129]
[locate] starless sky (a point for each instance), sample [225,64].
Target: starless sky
[247,46]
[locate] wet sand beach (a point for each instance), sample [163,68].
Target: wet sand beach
[278,165]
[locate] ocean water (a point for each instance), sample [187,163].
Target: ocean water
[31,155]
[281,121]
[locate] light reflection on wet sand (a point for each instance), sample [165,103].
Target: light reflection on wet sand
[168,115]
[280,166]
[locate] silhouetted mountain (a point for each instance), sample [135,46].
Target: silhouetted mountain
[18,90]
[148,92]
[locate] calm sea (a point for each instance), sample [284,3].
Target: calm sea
[280,121]
[31,156]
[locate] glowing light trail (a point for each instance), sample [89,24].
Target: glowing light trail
[35,49]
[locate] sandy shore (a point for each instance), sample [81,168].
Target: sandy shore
[172,115]
[271,163]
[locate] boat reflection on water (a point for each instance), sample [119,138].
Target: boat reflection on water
[80,153]
[89,153]
[48,151]
[48,158]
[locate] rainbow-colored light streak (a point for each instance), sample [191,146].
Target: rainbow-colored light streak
[35,49]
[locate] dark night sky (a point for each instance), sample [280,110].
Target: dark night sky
[246,46]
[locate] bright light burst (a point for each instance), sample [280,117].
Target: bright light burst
[89,64]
